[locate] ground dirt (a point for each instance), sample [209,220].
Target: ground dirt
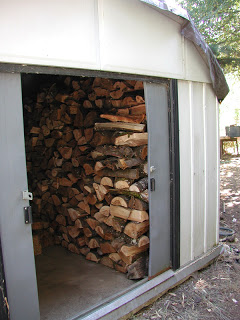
[212,293]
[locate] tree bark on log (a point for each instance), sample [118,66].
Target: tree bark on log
[132,174]
[140,185]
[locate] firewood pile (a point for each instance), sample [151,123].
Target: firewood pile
[86,146]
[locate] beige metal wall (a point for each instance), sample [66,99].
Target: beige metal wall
[199,168]
[118,36]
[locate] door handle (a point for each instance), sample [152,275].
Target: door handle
[152,184]
[28,215]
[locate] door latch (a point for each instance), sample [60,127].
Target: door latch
[28,215]
[152,184]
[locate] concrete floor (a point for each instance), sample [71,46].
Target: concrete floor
[69,285]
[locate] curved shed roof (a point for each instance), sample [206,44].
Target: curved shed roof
[142,37]
[190,31]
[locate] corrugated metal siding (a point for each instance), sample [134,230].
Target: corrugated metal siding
[198,168]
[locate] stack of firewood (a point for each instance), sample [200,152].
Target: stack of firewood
[86,146]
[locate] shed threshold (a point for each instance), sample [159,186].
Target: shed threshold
[149,291]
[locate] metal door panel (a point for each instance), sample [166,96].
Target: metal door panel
[156,97]
[16,236]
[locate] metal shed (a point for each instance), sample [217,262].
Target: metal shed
[149,41]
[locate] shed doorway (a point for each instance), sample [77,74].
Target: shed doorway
[155,267]
[83,184]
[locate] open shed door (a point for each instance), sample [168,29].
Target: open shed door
[156,97]
[16,235]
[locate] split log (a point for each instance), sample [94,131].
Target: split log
[118,152]
[87,232]
[93,257]
[138,216]
[142,196]
[79,196]
[132,140]
[128,214]
[77,134]
[106,261]
[141,152]
[129,250]
[92,223]
[65,182]
[108,198]
[100,191]
[81,241]
[122,183]
[139,269]
[120,201]
[117,224]
[84,206]
[121,267]
[91,199]
[117,243]
[123,112]
[73,231]
[100,217]
[138,110]
[132,174]
[130,119]
[120,212]
[106,181]
[135,230]
[105,210]
[61,220]
[84,251]
[93,243]
[135,203]
[115,257]
[100,92]
[129,163]
[78,224]
[140,185]
[89,188]
[139,85]
[99,166]
[90,119]
[88,169]
[35,130]
[100,139]
[128,102]
[76,213]
[104,232]
[106,247]
[64,244]
[88,133]
[119,126]
[65,237]
[65,152]
[110,163]
[73,248]
[87,104]
[143,241]
[129,259]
